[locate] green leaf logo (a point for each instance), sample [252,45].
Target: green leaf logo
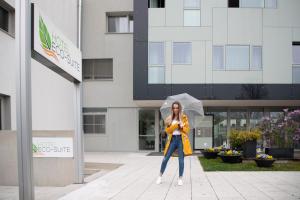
[44,34]
[34,148]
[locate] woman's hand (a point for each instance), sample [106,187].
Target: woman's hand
[180,124]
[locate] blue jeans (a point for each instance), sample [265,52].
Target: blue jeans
[176,142]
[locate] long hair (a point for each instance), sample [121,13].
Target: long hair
[170,118]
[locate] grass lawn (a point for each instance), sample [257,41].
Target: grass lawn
[249,165]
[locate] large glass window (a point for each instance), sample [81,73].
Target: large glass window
[256,57]
[218,57]
[147,129]
[182,53]
[255,117]
[122,23]
[238,119]
[156,62]
[237,57]
[97,69]
[220,128]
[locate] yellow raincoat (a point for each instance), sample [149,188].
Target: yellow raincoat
[187,150]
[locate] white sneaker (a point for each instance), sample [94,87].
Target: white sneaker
[180,182]
[158,181]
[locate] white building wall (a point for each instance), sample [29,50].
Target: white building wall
[273,29]
[116,95]
[52,95]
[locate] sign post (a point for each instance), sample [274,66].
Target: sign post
[23,96]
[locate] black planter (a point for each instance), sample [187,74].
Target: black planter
[264,163]
[284,153]
[210,155]
[249,149]
[231,159]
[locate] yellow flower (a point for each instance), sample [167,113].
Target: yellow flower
[269,157]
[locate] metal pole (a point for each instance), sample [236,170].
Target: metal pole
[79,146]
[23,97]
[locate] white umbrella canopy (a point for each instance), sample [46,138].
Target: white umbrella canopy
[191,106]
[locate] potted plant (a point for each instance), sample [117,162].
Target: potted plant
[245,140]
[264,160]
[211,153]
[231,156]
[281,135]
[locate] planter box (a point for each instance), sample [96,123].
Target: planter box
[231,159]
[210,155]
[285,153]
[264,163]
[249,149]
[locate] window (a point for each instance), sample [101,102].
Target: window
[156,3]
[233,3]
[218,57]
[7,18]
[182,53]
[256,57]
[251,3]
[156,62]
[296,62]
[191,13]
[192,4]
[120,23]
[96,69]
[5,112]
[296,74]
[237,57]
[94,122]
[3,19]
[296,53]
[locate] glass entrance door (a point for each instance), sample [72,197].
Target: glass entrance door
[203,137]
[147,129]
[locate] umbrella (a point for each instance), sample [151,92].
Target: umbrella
[191,106]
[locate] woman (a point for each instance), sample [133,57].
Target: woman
[177,128]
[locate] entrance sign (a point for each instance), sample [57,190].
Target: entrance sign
[52,147]
[53,49]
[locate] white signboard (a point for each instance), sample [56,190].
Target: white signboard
[50,43]
[52,147]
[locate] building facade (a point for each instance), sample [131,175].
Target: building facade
[53,96]
[240,57]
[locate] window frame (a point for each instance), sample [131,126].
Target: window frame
[252,67]
[172,57]
[94,124]
[128,15]
[192,9]
[237,69]
[11,19]
[224,64]
[155,65]
[93,70]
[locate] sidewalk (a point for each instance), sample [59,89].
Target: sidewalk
[136,180]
